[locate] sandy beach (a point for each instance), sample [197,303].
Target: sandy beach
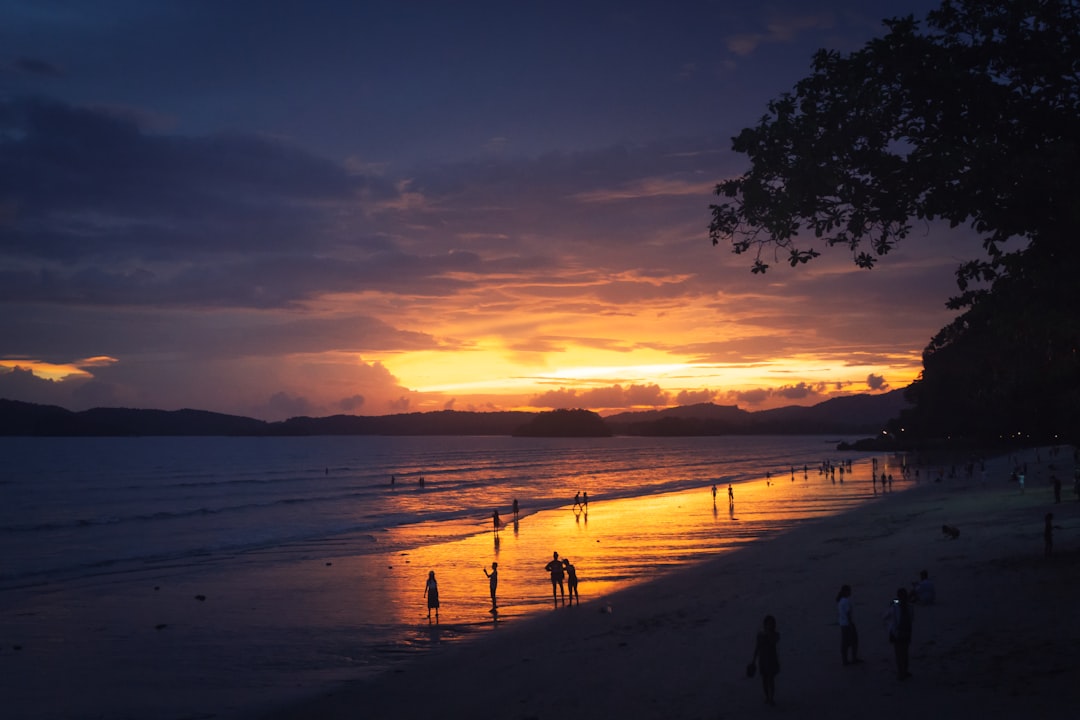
[1002,639]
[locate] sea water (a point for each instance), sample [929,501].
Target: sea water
[277,564]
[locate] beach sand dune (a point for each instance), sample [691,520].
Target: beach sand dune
[1002,640]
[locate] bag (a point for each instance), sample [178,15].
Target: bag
[751,669]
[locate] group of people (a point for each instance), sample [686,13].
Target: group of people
[563,578]
[898,618]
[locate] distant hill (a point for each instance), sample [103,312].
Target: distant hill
[856,414]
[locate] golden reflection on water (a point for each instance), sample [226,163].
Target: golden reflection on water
[614,544]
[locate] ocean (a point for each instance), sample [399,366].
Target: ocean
[260,569]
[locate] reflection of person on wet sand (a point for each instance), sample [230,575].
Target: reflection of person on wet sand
[431,592]
[556,569]
[571,580]
[493,581]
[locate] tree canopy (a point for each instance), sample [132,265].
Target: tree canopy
[971,116]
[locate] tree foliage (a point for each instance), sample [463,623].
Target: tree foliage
[972,117]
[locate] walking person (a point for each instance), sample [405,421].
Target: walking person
[900,632]
[431,592]
[849,635]
[556,569]
[766,657]
[493,582]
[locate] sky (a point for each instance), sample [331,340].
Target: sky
[274,208]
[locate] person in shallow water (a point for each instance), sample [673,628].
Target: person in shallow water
[431,592]
[493,582]
[556,569]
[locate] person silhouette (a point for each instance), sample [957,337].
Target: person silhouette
[849,636]
[585,500]
[577,499]
[515,509]
[496,522]
[556,569]
[730,495]
[766,657]
[571,581]
[900,632]
[493,582]
[1048,535]
[431,592]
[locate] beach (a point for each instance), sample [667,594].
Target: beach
[1001,640]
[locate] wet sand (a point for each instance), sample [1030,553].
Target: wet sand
[1002,640]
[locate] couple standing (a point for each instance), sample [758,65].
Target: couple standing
[559,569]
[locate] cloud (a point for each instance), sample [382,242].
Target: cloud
[800,391]
[780,29]
[282,404]
[876,382]
[37,66]
[604,398]
[695,397]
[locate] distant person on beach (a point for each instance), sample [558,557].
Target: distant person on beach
[766,657]
[496,521]
[1048,535]
[730,495]
[577,499]
[925,593]
[849,635]
[515,510]
[556,569]
[714,494]
[431,592]
[585,500]
[571,581]
[900,632]
[493,581]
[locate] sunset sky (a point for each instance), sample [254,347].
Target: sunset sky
[308,208]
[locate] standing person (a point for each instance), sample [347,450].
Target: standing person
[766,657]
[713,494]
[496,521]
[577,499]
[900,632]
[515,510]
[1048,535]
[585,500]
[556,569]
[493,582]
[571,581]
[849,636]
[431,592]
[730,495]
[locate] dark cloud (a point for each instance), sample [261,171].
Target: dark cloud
[284,405]
[37,66]
[615,396]
[876,382]
[351,404]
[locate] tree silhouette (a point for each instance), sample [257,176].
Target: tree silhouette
[970,117]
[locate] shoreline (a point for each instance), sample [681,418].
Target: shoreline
[1001,640]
